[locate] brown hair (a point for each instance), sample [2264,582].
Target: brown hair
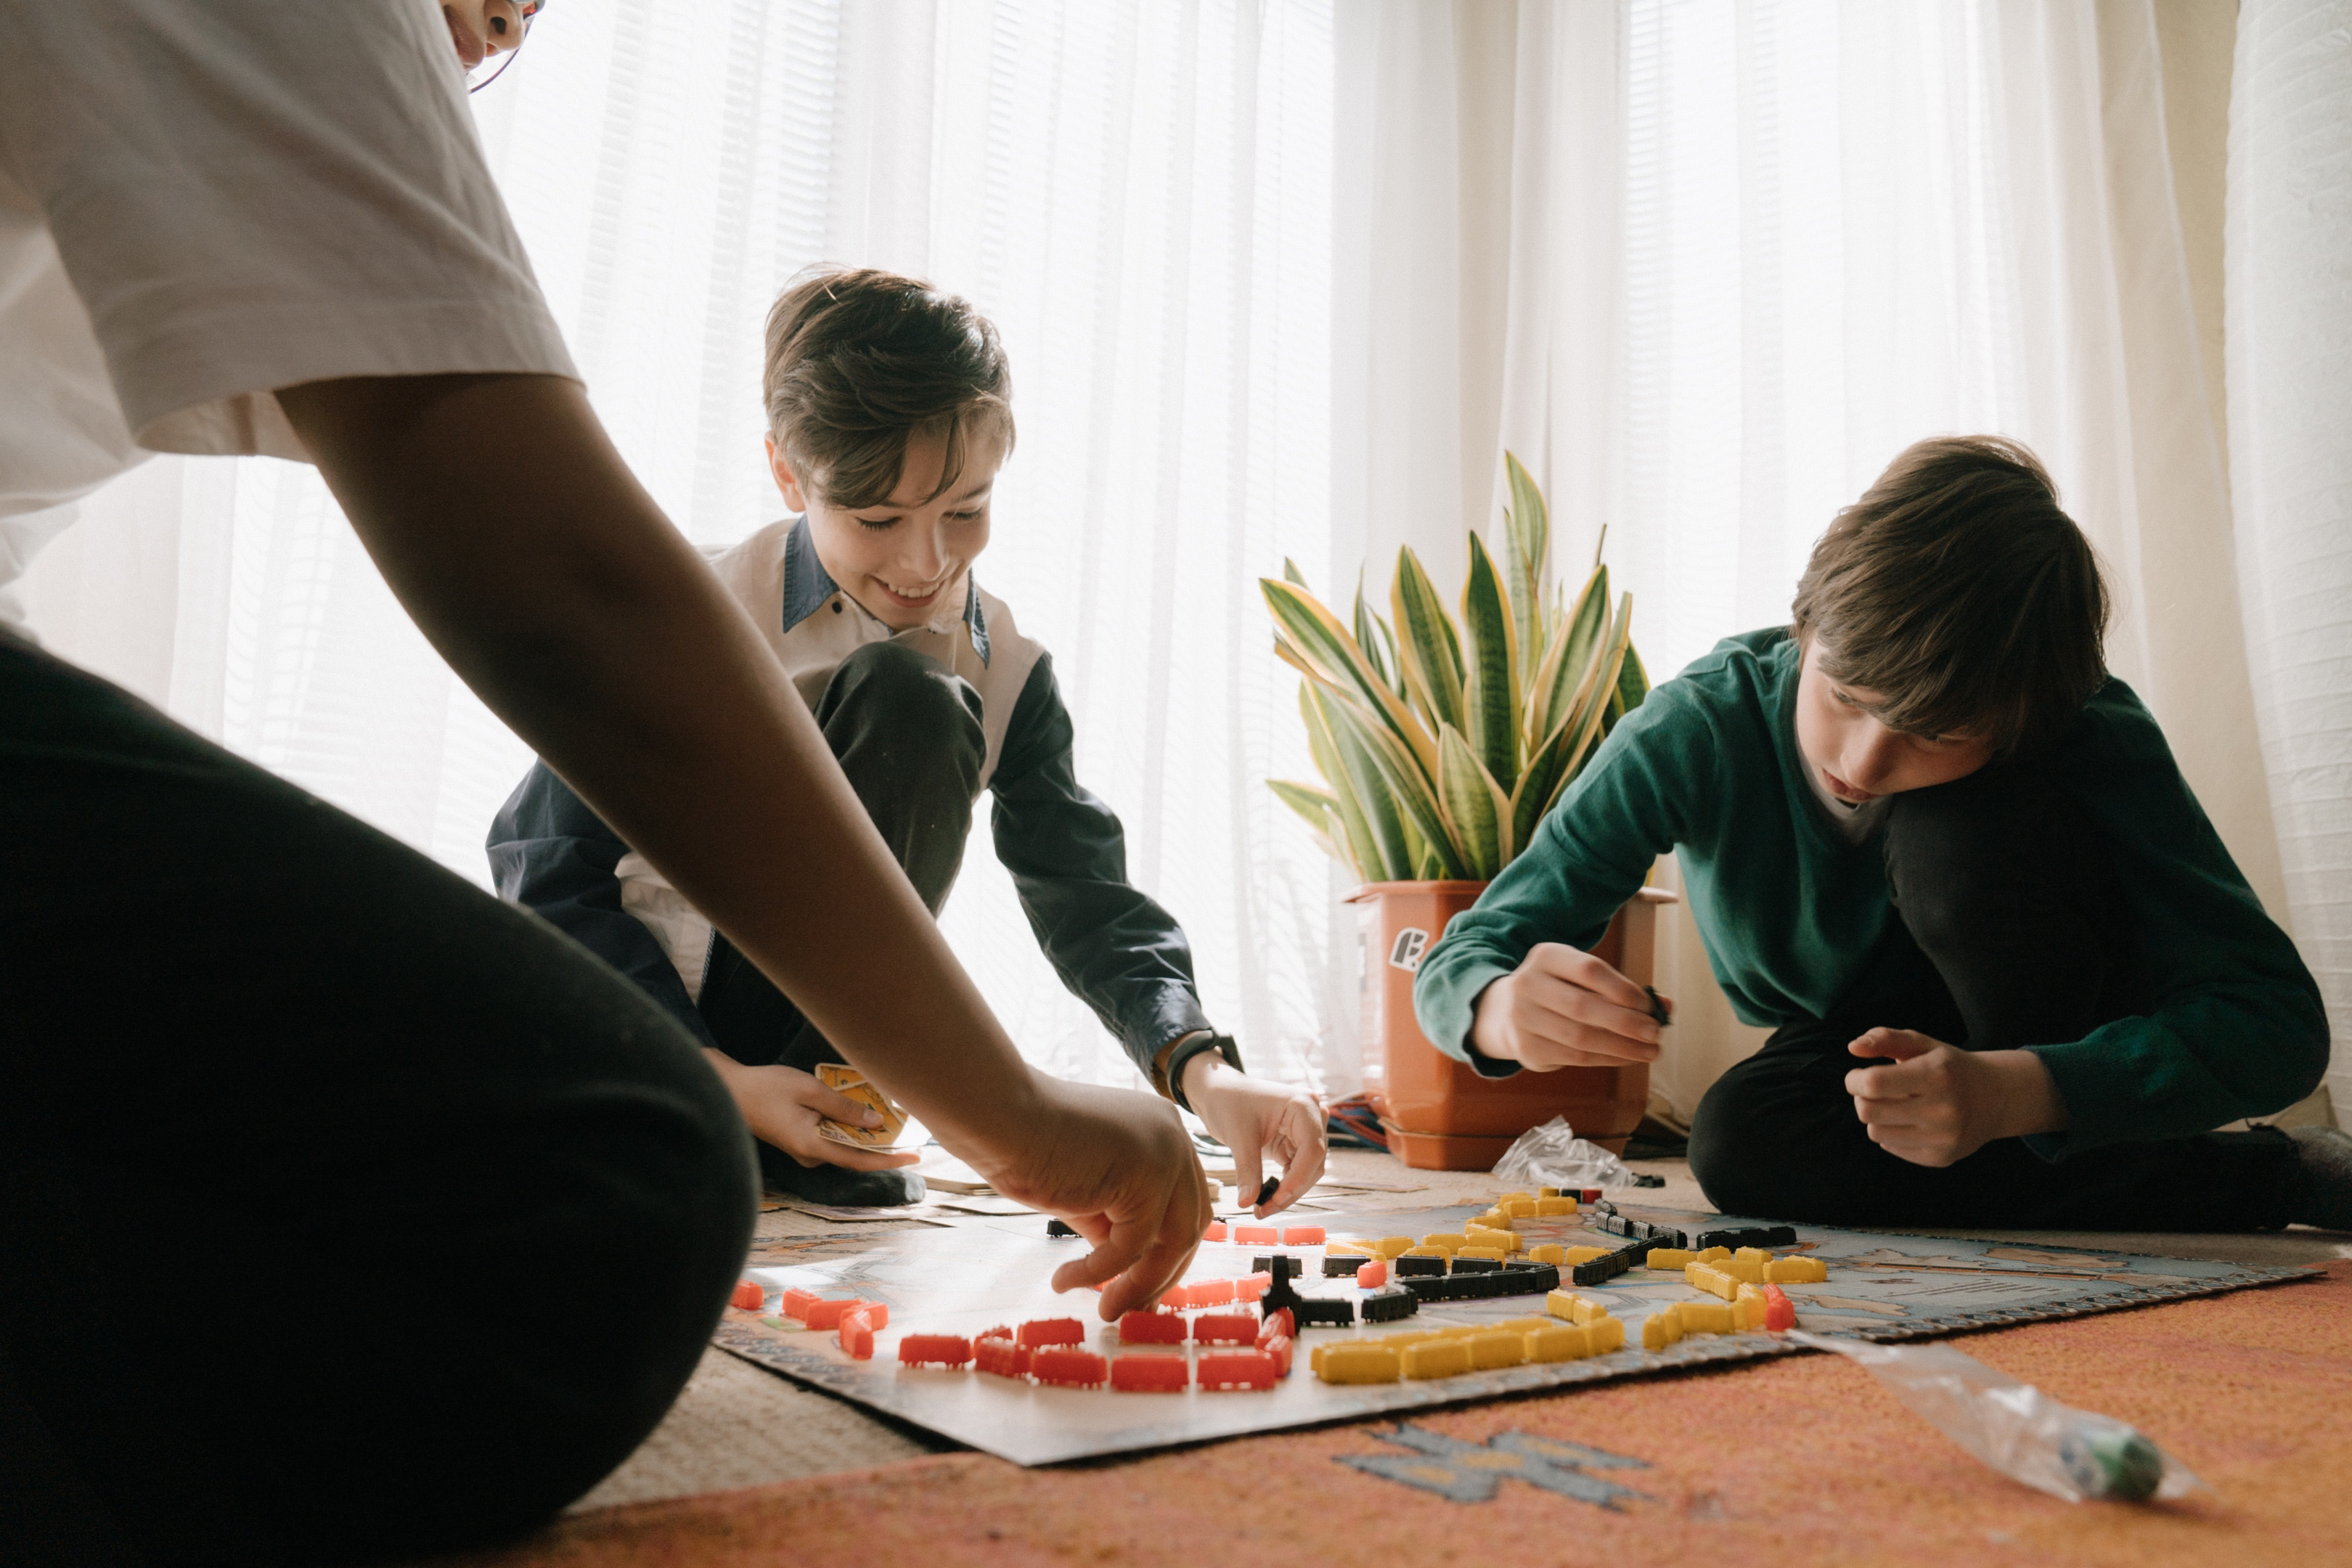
[1959,590]
[859,361]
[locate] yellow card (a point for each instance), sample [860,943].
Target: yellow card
[849,1081]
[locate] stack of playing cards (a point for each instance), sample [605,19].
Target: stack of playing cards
[850,1081]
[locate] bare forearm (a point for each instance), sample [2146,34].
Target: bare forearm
[513,531]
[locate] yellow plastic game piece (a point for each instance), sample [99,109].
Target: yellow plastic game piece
[1605,1334]
[1705,1317]
[1524,1325]
[1576,1309]
[1549,1205]
[1426,1252]
[1508,1241]
[1461,1331]
[1668,1258]
[1452,1240]
[1711,1278]
[1399,1343]
[1741,1268]
[1547,1193]
[1558,1341]
[1519,1208]
[1660,1330]
[1493,1219]
[1712,1254]
[1495,1349]
[1357,1364]
[1570,1257]
[1393,1245]
[1502,1198]
[1752,1255]
[1437,1358]
[1796,1271]
[1494,1253]
[1352,1248]
[1550,1252]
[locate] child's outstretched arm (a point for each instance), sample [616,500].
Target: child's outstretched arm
[1124,955]
[513,531]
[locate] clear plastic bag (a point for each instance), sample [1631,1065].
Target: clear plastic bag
[2015,1428]
[1552,1155]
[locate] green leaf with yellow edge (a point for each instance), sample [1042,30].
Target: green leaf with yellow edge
[1569,659]
[1592,716]
[1291,574]
[1356,777]
[1380,649]
[1320,809]
[1327,653]
[1479,811]
[1413,795]
[1530,525]
[1490,695]
[1429,651]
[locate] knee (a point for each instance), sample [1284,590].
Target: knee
[1749,1143]
[910,692]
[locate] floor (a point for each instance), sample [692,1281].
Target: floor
[739,1425]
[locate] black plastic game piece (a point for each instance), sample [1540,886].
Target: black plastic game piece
[1477,1266]
[1530,1277]
[1658,1006]
[1056,1228]
[1390,1303]
[1281,1268]
[1316,1310]
[1279,1295]
[1265,1194]
[1401,1267]
[1341,1265]
[1746,1235]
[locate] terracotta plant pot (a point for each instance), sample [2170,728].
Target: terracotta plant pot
[1440,1115]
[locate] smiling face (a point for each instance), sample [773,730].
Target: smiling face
[906,557]
[1856,756]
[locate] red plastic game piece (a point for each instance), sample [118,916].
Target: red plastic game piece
[1216,1231]
[1150,1373]
[1176,1298]
[796,1303]
[1250,1287]
[1068,1368]
[1282,1321]
[1151,1329]
[1278,1347]
[1238,1369]
[1002,1331]
[1780,1312]
[1052,1331]
[1004,1357]
[1257,1234]
[828,1314]
[1373,1275]
[748,1296]
[1302,1235]
[857,1333]
[935,1350]
[1225,1329]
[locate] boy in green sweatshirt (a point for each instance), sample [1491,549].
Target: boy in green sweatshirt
[2014,976]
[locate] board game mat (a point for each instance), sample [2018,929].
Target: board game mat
[965,1278]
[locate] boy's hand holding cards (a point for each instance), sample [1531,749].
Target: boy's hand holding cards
[849,1081]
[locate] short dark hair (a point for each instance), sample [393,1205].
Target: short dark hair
[1959,590]
[859,361]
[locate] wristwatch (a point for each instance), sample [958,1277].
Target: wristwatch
[1192,1044]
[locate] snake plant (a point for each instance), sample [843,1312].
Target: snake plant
[1441,745]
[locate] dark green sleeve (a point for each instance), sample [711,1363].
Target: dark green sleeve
[1590,854]
[1116,948]
[2237,1028]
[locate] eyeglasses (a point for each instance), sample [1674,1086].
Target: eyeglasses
[494,66]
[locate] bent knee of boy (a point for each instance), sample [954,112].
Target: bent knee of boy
[905,685]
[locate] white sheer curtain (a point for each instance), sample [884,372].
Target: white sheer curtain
[2290,319]
[1138,195]
[1706,265]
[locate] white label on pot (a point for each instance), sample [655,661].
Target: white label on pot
[1411,944]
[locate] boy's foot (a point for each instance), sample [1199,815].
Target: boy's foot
[2326,1154]
[837,1187]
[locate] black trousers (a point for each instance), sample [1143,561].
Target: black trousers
[907,734]
[2012,931]
[344,1210]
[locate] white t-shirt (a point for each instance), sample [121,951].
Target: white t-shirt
[203,202]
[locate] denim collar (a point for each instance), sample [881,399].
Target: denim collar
[808,587]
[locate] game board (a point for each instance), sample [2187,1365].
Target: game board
[965,1278]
